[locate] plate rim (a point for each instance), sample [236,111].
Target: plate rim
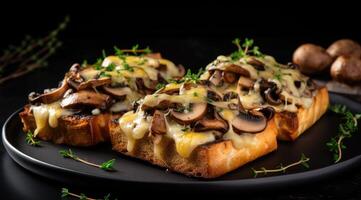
[276,180]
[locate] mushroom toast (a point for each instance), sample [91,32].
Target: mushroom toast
[209,125]
[78,111]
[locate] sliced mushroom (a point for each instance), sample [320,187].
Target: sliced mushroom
[80,84]
[158,125]
[86,98]
[117,92]
[268,112]
[245,82]
[272,97]
[229,77]
[142,88]
[162,105]
[198,110]
[214,96]
[216,78]
[215,122]
[237,69]
[256,63]
[249,123]
[51,96]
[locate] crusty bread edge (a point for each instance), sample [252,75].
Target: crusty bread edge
[72,130]
[291,129]
[206,161]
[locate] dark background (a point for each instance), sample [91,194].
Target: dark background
[192,35]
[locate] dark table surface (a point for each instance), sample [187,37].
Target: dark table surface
[192,52]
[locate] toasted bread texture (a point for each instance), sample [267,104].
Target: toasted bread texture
[207,161]
[74,130]
[291,125]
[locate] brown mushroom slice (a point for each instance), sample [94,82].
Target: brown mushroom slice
[185,118]
[256,64]
[117,92]
[50,97]
[158,125]
[249,123]
[206,124]
[229,77]
[272,97]
[268,112]
[216,78]
[162,105]
[86,98]
[237,69]
[245,82]
[89,84]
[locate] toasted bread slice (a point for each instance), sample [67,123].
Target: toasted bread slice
[207,161]
[74,130]
[291,125]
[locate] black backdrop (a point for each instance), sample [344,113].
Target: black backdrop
[186,33]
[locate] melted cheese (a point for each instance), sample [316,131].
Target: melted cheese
[274,72]
[135,126]
[193,95]
[47,115]
[239,141]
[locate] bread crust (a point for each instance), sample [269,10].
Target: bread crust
[73,130]
[207,161]
[291,125]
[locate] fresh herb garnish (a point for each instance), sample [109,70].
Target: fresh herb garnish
[98,64]
[65,193]
[303,161]
[127,67]
[245,49]
[345,130]
[107,166]
[192,77]
[110,67]
[30,139]
[185,129]
[159,86]
[195,94]
[104,74]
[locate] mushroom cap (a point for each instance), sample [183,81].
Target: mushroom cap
[197,112]
[51,96]
[249,123]
[86,98]
[158,125]
[117,92]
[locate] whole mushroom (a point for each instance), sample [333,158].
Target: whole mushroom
[311,58]
[344,47]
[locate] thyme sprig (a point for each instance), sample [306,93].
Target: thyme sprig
[30,54]
[65,193]
[346,128]
[244,49]
[263,171]
[107,166]
[30,139]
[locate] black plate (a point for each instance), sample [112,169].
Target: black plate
[46,161]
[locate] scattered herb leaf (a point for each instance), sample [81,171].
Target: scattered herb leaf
[107,166]
[345,130]
[263,171]
[30,139]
